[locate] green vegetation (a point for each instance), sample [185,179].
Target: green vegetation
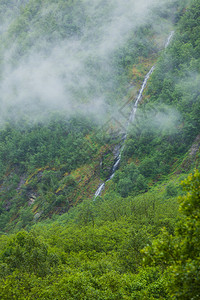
[47,168]
[135,241]
[178,254]
[43,29]
[56,160]
[95,252]
[168,122]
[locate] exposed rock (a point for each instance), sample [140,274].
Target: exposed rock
[22,182]
[116,151]
[7,205]
[191,157]
[32,199]
[195,147]
[37,216]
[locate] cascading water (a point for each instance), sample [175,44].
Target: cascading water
[169,39]
[132,115]
[131,119]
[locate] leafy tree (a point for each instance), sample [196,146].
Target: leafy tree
[179,255]
[125,186]
[171,191]
[141,184]
[27,253]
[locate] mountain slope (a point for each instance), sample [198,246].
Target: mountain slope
[60,82]
[94,250]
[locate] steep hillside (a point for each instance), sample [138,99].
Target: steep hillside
[164,137]
[61,81]
[70,72]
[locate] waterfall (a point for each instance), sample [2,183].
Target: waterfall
[131,119]
[132,115]
[99,190]
[169,39]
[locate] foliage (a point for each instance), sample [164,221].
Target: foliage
[167,122]
[130,179]
[179,254]
[171,191]
[92,252]
[48,165]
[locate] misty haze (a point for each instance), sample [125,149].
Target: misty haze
[71,60]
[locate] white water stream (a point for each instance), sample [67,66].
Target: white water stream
[131,119]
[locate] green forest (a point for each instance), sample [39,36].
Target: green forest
[70,72]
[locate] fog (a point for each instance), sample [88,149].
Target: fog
[69,69]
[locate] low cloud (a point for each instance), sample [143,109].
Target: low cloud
[68,74]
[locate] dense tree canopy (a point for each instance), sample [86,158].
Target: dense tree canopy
[179,254]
